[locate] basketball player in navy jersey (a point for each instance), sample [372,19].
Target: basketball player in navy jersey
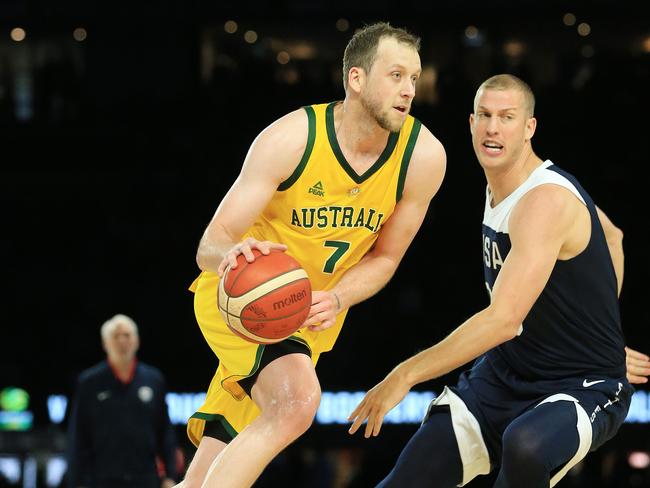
[549,384]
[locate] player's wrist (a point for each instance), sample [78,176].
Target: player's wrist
[337,302]
[404,373]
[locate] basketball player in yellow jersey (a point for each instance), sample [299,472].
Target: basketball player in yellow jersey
[343,187]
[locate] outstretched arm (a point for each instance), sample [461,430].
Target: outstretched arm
[425,175]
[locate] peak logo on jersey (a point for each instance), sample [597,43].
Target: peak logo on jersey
[317,189]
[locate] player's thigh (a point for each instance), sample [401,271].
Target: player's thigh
[550,436]
[270,353]
[431,458]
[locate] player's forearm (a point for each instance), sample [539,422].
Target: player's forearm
[477,335]
[364,280]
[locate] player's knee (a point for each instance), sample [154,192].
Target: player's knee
[523,448]
[294,413]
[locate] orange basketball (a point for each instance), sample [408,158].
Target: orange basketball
[267,300]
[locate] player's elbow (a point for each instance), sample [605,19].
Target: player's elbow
[506,322]
[201,260]
[614,236]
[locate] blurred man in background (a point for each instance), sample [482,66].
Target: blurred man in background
[119,423]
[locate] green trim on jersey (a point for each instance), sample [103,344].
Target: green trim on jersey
[311,137]
[406,157]
[258,358]
[301,341]
[211,417]
[331,135]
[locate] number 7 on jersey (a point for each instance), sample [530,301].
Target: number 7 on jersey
[340,248]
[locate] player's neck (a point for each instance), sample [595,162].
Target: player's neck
[358,133]
[502,181]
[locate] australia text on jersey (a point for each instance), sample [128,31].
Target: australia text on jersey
[336,216]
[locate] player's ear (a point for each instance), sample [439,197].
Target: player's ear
[531,125]
[356,78]
[471,123]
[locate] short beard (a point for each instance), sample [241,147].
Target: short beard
[374,109]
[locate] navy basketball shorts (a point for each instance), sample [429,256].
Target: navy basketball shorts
[487,400]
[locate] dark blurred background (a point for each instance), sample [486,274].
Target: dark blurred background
[123,124]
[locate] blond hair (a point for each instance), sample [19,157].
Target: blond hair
[508,82]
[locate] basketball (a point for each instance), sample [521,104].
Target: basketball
[267,300]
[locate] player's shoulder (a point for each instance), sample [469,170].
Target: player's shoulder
[549,194]
[290,127]
[545,205]
[427,165]
[282,143]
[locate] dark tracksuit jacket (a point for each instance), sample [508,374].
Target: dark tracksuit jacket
[116,430]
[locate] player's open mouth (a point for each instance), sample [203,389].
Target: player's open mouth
[492,147]
[401,109]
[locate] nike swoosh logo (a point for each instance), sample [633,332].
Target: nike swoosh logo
[101,396]
[587,384]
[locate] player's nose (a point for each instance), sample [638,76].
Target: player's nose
[492,126]
[408,89]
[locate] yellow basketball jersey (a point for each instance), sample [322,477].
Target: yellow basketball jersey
[328,215]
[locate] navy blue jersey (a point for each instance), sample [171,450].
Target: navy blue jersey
[574,327]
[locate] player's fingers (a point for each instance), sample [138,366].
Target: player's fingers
[379,420]
[355,412]
[370,425]
[247,251]
[317,307]
[312,320]
[632,360]
[232,259]
[222,267]
[279,247]
[324,324]
[318,317]
[264,247]
[638,362]
[638,369]
[636,380]
[358,420]
[636,354]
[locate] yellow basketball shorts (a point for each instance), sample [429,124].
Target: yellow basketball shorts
[226,401]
